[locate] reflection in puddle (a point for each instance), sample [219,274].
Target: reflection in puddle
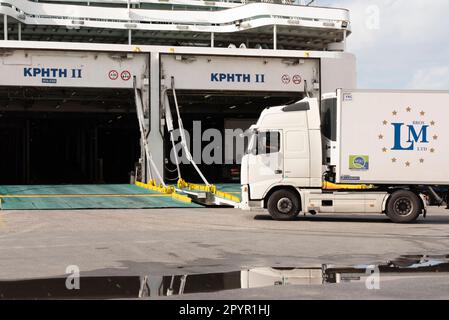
[154,286]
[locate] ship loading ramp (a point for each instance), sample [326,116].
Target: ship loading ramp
[65,197]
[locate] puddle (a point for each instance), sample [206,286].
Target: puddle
[122,287]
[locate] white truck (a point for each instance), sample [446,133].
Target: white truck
[352,151]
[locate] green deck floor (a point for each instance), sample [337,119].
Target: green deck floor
[49,197]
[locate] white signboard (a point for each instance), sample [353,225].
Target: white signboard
[71,69]
[239,73]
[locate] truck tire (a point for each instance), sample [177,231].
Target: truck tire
[283,205]
[404,207]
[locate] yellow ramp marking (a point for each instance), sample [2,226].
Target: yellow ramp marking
[181,197]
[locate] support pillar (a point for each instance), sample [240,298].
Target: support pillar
[156,136]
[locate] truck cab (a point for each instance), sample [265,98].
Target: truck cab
[284,149]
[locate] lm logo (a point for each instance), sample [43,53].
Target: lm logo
[415,133]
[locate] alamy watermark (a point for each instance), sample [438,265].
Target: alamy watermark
[213,146]
[72,281]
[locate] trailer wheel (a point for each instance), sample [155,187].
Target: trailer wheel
[403,207]
[283,205]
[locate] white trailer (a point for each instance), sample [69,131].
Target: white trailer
[392,137]
[378,151]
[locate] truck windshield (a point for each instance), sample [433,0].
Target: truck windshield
[329,118]
[267,142]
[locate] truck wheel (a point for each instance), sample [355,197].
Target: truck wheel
[403,207]
[283,205]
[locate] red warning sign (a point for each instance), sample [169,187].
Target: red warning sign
[286,79]
[297,79]
[126,75]
[113,74]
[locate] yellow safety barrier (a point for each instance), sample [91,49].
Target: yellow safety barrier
[169,190]
[333,186]
[151,185]
[182,184]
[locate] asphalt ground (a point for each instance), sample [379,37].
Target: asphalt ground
[41,244]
